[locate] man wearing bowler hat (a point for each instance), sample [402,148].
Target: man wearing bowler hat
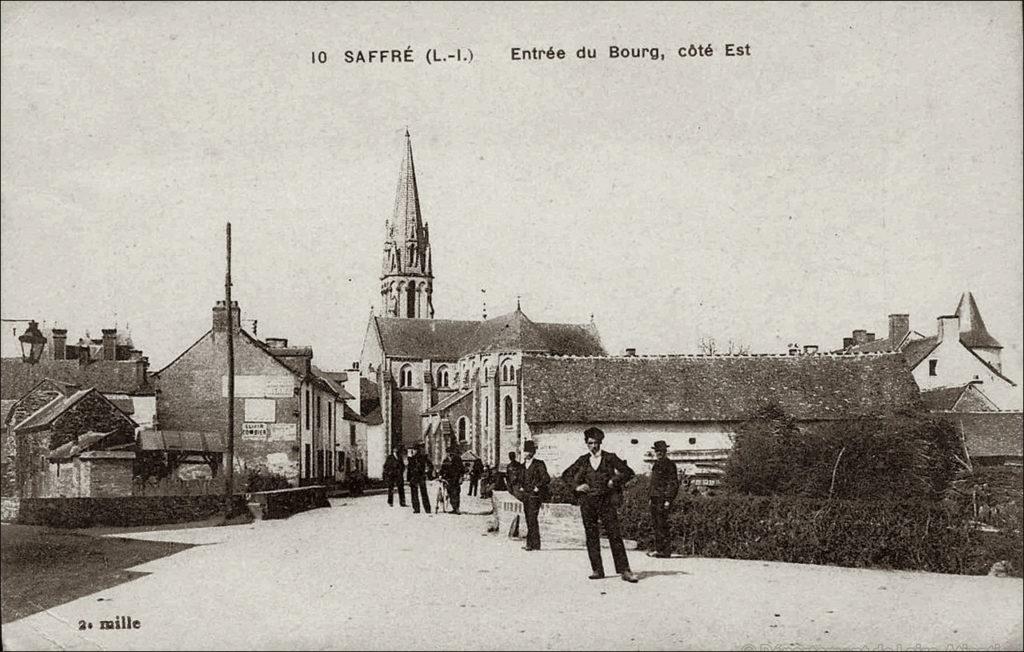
[533,488]
[598,478]
[664,487]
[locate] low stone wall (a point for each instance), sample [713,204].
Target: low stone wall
[122,511]
[560,523]
[282,503]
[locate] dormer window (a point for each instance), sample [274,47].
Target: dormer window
[405,376]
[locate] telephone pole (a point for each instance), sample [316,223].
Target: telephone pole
[230,453]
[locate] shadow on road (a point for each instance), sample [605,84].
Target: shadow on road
[643,575]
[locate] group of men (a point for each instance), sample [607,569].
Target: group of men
[597,477]
[419,469]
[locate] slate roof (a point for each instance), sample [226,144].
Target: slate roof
[108,376]
[973,332]
[181,440]
[990,434]
[44,416]
[917,350]
[441,339]
[712,388]
[942,398]
[448,401]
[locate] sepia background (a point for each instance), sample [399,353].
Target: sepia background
[864,160]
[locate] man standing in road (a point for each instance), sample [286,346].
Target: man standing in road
[417,471]
[664,487]
[475,472]
[451,476]
[394,469]
[532,490]
[513,472]
[598,478]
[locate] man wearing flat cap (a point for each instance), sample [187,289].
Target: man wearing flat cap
[598,478]
[533,489]
[664,487]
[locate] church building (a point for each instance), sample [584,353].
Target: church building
[421,365]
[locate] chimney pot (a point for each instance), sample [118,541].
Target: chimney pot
[810,349]
[220,317]
[277,342]
[630,352]
[355,365]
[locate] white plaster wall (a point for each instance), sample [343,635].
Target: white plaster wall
[560,444]
[958,366]
[376,451]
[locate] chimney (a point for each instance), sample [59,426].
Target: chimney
[810,349]
[899,326]
[949,328]
[355,366]
[141,370]
[847,342]
[110,344]
[84,356]
[630,352]
[871,337]
[60,340]
[220,317]
[134,355]
[277,342]
[794,349]
[860,336]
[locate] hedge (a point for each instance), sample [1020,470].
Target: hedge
[908,535]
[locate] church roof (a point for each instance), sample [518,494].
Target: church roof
[445,339]
[407,218]
[973,332]
[712,388]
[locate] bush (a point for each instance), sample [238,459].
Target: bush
[911,534]
[906,455]
[260,479]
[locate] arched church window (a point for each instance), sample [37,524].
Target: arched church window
[442,376]
[462,429]
[405,376]
[508,410]
[508,371]
[410,301]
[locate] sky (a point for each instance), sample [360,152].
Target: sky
[864,159]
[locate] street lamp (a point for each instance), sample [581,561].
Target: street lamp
[32,343]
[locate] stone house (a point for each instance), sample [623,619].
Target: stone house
[68,442]
[695,403]
[110,364]
[961,351]
[286,415]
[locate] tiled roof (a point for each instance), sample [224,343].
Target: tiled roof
[712,388]
[45,415]
[942,398]
[973,332]
[440,339]
[108,376]
[874,346]
[990,433]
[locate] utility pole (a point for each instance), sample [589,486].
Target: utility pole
[230,456]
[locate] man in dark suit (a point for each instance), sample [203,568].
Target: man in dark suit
[664,487]
[451,476]
[475,472]
[512,472]
[533,489]
[417,471]
[598,478]
[394,469]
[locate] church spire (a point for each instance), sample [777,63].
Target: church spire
[407,270]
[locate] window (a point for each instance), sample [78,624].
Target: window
[308,460]
[341,460]
[693,440]
[320,464]
[308,408]
[933,367]
[508,372]
[319,413]
[442,376]
[508,410]
[405,376]
[352,434]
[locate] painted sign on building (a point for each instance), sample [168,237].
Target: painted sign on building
[282,432]
[260,386]
[255,431]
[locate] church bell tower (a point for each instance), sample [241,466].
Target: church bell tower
[407,276]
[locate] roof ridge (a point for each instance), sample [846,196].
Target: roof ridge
[656,356]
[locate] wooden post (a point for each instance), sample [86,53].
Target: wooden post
[230,453]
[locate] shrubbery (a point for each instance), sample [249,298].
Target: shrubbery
[261,479]
[907,455]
